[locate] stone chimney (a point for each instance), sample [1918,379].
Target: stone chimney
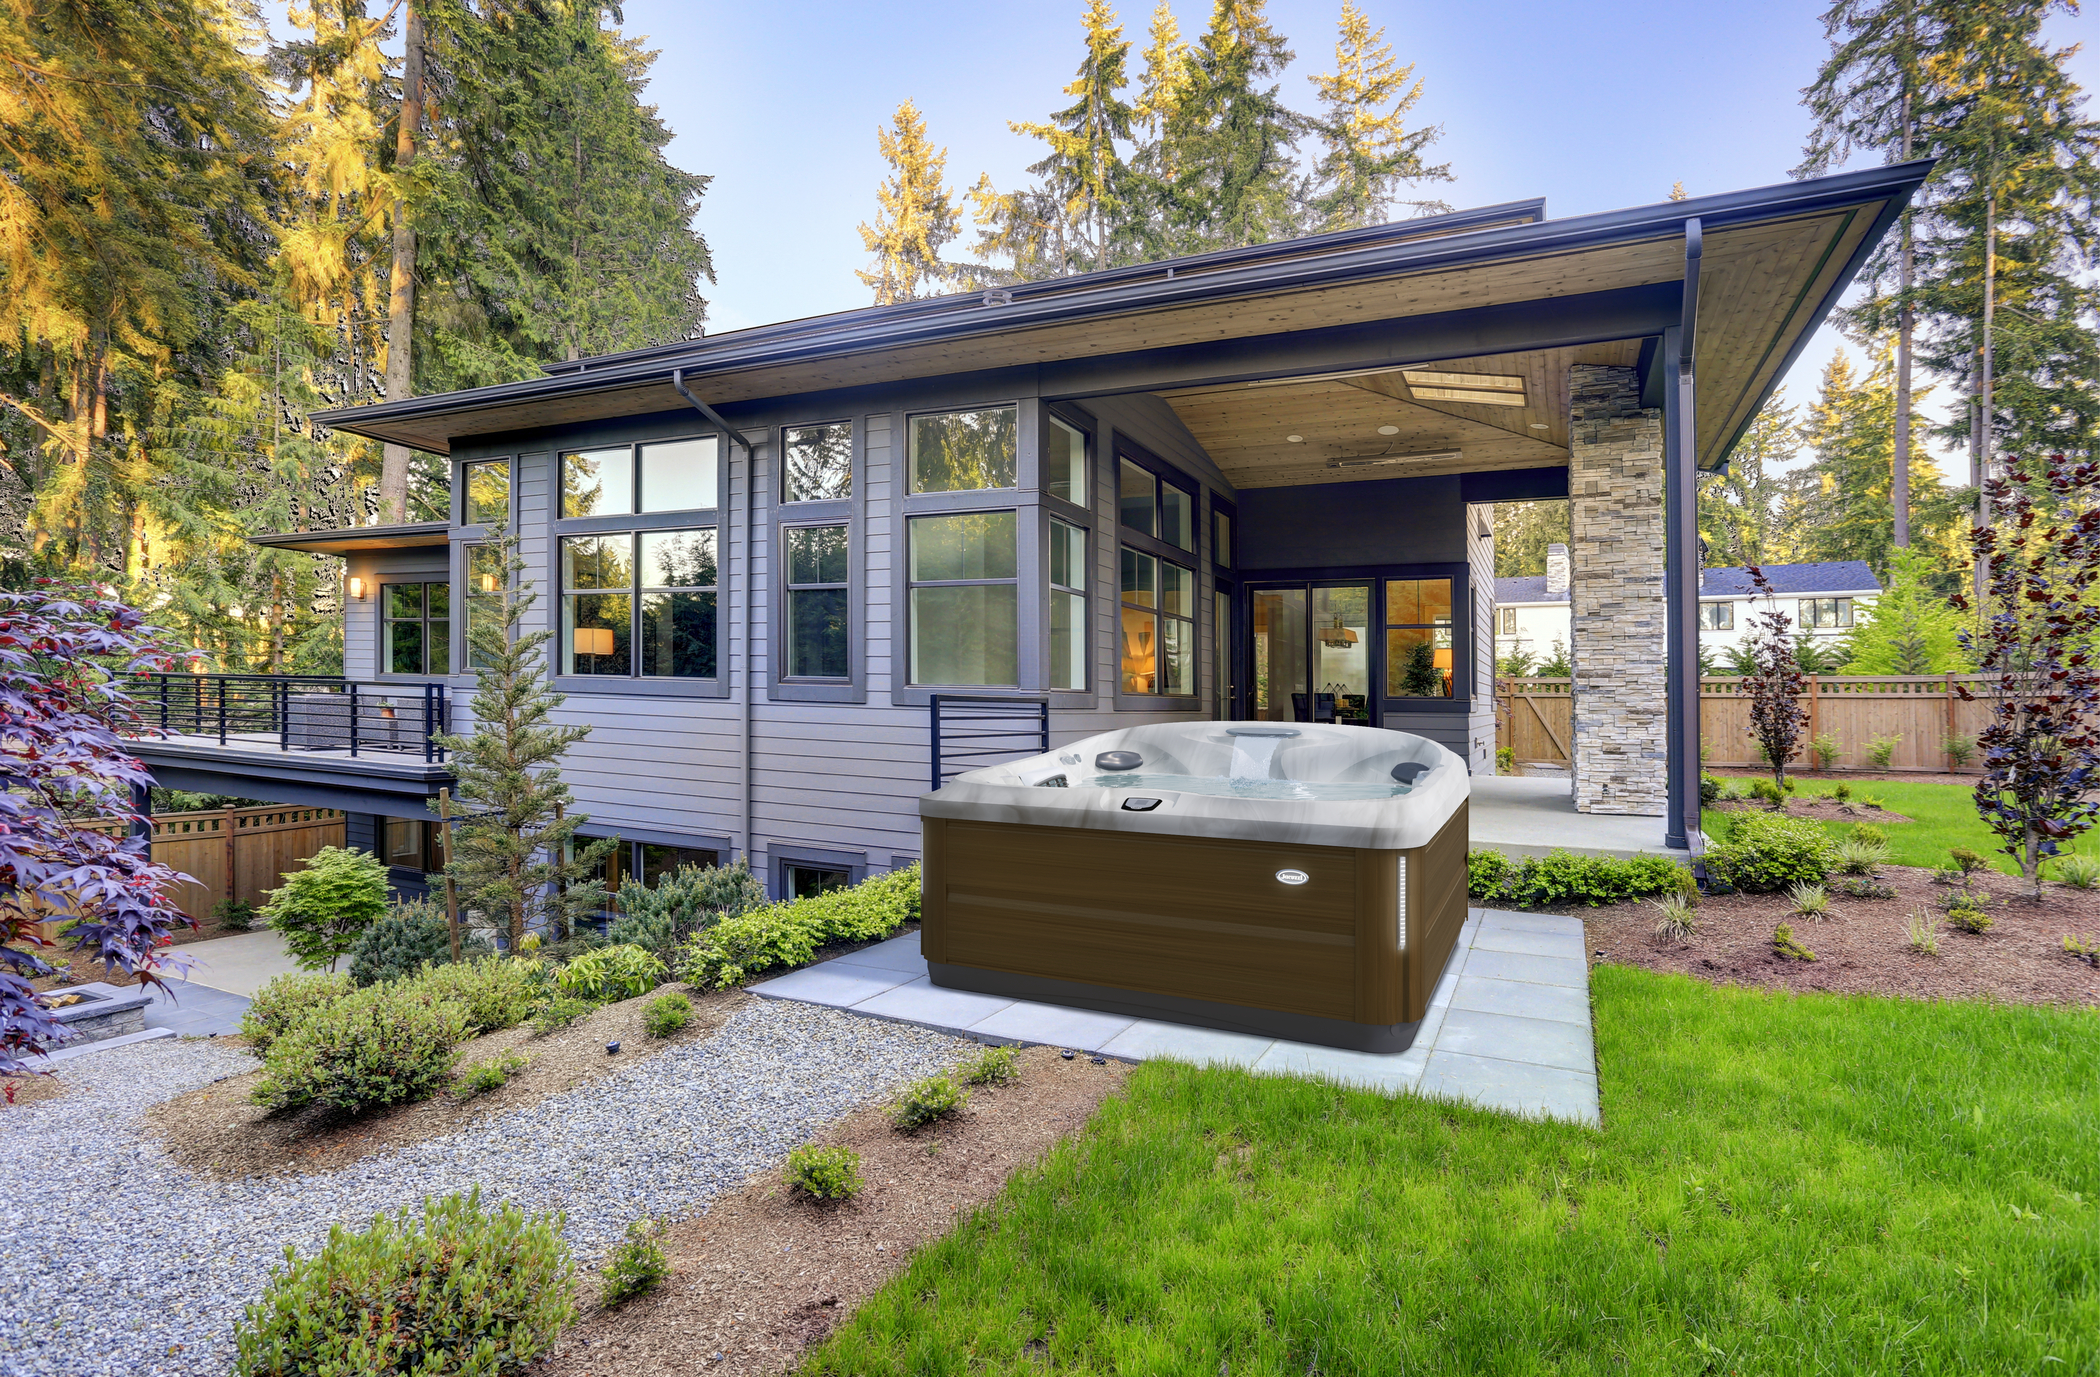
[1556,571]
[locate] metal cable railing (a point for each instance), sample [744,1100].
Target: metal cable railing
[300,712]
[971,731]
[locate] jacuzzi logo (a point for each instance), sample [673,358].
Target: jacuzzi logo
[1293,877]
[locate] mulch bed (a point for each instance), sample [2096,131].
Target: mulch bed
[765,1273]
[1865,948]
[1816,809]
[1966,778]
[215,1130]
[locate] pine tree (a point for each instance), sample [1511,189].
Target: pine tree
[1067,223]
[401,271]
[516,858]
[1907,630]
[1369,152]
[1155,162]
[916,217]
[1739,511]
[1231,139]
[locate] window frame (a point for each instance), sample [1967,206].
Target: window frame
[788,589]
[854,430]
[1712,610]
[459,488]
[1196,562]
[781,515]
[1083,589]
[1841,612]
[1506,621]
[383,655]
[1230,512]
[634,448]
[1160,616]
[637,588]
[1023,557]
[1461,644]
[782,855]
[1027,459]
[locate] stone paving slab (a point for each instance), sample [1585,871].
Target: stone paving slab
[196,1011]
[1508,1026]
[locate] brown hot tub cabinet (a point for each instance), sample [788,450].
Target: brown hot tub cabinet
[1201,908]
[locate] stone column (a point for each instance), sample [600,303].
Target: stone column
[1616,609]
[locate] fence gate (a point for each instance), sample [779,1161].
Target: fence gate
[971,732]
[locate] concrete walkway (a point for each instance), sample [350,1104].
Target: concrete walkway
[1508,1027]
[1521,816]
[196,1011]
[241,964]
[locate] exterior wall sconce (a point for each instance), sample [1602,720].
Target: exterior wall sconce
[594,640]
[357,589]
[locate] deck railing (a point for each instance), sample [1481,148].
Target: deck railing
[970,732]
[300,712]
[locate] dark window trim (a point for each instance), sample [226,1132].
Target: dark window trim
[857,425]
[1162,472]
[677,515]
[380,659]
[1026,466]
[459,490]
[1028,553]
[1460,573]
[848,511]
[1231,510]
[1085,424]
[1126,699]
[715,685]
[1085,589]
[644,836]
[781,855]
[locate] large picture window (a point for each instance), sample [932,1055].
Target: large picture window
[1420,659]
[485,493]
[1155,506]
[1068,570]
[818,643]
[417,636]
[1159,626]
[816,463]
[964,599]
[639,604]
[961,451]
[663,476]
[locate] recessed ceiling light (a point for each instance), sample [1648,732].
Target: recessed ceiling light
[1295,439]
[1388,430]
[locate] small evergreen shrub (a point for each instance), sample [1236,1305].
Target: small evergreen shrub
[459,1291]
[637,1265]
[1862,887]
[1677,922]
[1841,792]
[234,915]
[493,993]
[682,903]
[398,946]
[557,1013]
[1882,749]
[364,1050]
[824,1173]
[1960,750]
[1869,834]
[1563,878]
[788,934]
[921,1102]
[322,909]
[610,974]
[2079,872]
[1924,935]
[1787,946]
[1825,748]
[992,1066]
[492,1074]
[1505,760]
[1968,915]
[1711,789]
[1765,852]
[667,1015]
[1967,861]
[1767,793]
[1948,875]
[286,1001]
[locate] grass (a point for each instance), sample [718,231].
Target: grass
[1785,1184]
[1941,816]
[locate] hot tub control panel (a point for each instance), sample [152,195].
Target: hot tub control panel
[1140,805]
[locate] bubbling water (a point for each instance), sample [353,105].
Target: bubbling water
[1236,786]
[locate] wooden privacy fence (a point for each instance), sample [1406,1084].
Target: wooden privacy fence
[236,853]
[1534,718]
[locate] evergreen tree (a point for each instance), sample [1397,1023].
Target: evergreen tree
[1067,223]
[1907,630]
[1523,530]
[915,218]
[1837,507]
[516,859]
[401,271]
[1738,512]
[1232,141]
[1155,162]
[1369,152]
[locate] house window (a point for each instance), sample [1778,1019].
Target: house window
[418,627]
[1159,627]
[1505,621]
[1717,616]
[485,493]
[412,844]
[1419,639]
[1221,539]
[1067,606]
[800,881]
[664,602]
[964,599]
[817,643]
[1155,506]
[485,580]
[658,861]
[816,463]
[1823,613]
[666,476]
[1064,462]
[960,451]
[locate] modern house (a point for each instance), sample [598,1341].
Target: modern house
[1532,611]
[1249,484]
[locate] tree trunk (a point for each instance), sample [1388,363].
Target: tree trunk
[1899,490]
[1983,396]
[401,297]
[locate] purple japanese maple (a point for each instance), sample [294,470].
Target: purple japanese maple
[2035,641]
[64,657]
[1777,718]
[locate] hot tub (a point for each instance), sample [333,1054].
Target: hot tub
[1299,881]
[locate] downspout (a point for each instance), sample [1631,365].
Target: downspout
[735,437]
[1681,499]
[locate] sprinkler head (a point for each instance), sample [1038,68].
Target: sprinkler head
[611,1048]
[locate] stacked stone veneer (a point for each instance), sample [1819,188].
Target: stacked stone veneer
[1615,594]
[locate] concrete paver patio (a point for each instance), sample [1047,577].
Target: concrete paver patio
[1508,1027]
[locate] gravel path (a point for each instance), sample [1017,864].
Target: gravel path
[159,1264]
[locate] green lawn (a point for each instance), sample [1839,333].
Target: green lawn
[1942,816]
[1784,1185]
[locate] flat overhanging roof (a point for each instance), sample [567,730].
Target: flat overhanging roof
[357,539]
[1775,261]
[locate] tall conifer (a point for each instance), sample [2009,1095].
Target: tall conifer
[1738,512]
[1235,177]
[915,217]
[1369,152]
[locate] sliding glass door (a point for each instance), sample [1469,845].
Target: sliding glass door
[1311,649]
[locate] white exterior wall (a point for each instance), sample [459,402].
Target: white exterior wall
[1539,624]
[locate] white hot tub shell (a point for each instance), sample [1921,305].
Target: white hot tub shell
[1288,880]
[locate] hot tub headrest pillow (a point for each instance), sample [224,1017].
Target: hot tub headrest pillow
[1408,771]
[1118,760]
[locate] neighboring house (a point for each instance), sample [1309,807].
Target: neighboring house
[1531,612]
[1252,484]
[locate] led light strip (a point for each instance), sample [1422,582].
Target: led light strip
[1402,905]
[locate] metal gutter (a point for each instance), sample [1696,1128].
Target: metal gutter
[1083,298]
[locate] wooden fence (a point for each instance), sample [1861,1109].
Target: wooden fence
[236,853]
[1534,718]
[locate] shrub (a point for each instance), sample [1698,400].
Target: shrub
[362,1051]
[1860,887]
[667,1015]
[1882,749]
[2079,872]
[992,1066]
[610,974]
[1870,801]
[1788,948]
[2086,949]
[637,1265]
[1768,793]
[1967,861]
[1858,857]
[788,934]
[1960,750]
[322,909]
[458,1291]
[690,898]
[484,1076]
[824,1173]
[493,993]
[1485,871]
[1711,789]
[234,915]
[1505,760]
[1765,852]
[286,1001]
[1825,748]
[1969,916]
[1947,875]
[558,1013]
[1868,833]
[1565,878]
[1841,791]
[401,944]
[1924,933]
[921,1102]
[1678,921]
[1810,901]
